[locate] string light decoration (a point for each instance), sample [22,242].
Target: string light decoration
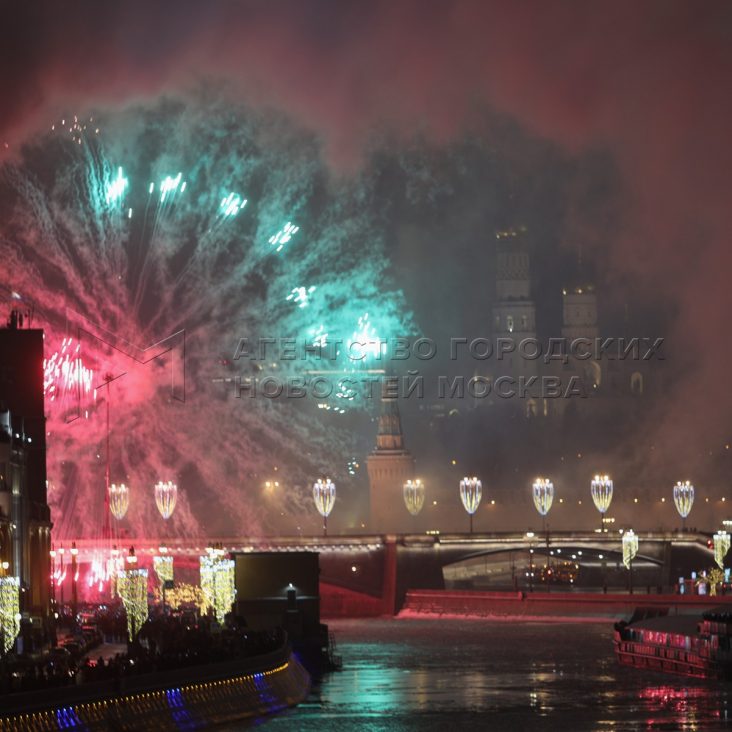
[414,496]
[721,547]
[630,547]
[684,499]
[132,589]
[324,493]
[184,595]
[471,491]
[217,582]
[163,566]
[9,611]
[166,496]
[119,500]
[601,489]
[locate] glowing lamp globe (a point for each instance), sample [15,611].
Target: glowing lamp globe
[119,500]
[684,498]
[414,496]
[543,491]
[601,489]
[471,491]
[324,493]
[166,495]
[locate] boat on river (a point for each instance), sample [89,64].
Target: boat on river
[679,644]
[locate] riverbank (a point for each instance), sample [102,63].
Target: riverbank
[549,607]
[190,698]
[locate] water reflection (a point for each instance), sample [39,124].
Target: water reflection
[445,675]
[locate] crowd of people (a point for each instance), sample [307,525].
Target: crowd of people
[164,643]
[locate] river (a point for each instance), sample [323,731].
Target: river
[432,675]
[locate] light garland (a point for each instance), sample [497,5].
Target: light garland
[217,583]
[9,610]
[163,566]
[721,547]
[185,595]
[630,547]
[132,588]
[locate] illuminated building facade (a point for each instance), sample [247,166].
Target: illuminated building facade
[25,521]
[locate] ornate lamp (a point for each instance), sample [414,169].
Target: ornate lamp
[166,495]
[324,493]
[684,500]
[414,496]
[119,500]
[721,547]
[543,491]
[630,549]
[601,489]
[471,491]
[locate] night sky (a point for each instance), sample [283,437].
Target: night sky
[602,128]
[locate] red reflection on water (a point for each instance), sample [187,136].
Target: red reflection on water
[683,703]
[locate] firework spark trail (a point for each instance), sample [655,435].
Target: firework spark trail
[193,256]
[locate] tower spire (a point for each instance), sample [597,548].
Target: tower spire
[389,465]
[389,435]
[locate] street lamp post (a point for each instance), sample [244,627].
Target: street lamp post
[684,500]
[471,491]
[324,493]
[530,536]
[74,578]
[166,496]
[601,489]
[62,577]
[53,578]
[543,492]
[119,500]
